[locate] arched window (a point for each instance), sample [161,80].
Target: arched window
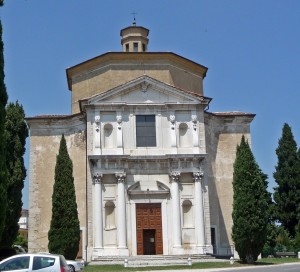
[183,135]
[108,136]
[110,215]
[187,213]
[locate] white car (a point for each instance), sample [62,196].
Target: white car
[35,262]
[75,266]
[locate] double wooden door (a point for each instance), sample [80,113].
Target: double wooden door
[149,229]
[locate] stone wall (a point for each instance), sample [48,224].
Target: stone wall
[223,134]
[45,136]
[91,80]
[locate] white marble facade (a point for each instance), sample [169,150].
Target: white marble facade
[172,172]
[152,166]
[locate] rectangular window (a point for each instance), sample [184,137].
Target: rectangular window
[145,130]
[127,47]
[135,47]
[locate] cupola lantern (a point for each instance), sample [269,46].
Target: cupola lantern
[134,38]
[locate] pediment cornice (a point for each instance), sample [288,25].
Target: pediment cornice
[144,90]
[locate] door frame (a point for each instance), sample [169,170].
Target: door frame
[132,237]
[149,221]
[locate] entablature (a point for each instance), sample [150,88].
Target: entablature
[184,163]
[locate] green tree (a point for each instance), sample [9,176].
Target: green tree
[64,233]
[21,241]
[296,241]
[250,205]
[287,177]
[17,132]
[283,240]
[3,169]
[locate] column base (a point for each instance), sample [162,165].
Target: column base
[101,252]
[203,250]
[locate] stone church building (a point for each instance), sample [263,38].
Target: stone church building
[152,166]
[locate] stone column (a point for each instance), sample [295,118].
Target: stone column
[121,210]
[176,209]
[199,214]
[97,207]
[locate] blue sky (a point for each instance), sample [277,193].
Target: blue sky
[251,49]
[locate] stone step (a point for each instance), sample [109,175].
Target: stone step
[151,260]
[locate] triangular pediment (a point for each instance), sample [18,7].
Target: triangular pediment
[145,90]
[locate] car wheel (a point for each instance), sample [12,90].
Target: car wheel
[71,268]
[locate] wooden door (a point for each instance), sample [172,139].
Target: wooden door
[149,229]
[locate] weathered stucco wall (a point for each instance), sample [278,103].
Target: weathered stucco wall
[223,134]
[108,75]
[44,146]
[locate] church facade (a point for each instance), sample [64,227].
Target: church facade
[152,166]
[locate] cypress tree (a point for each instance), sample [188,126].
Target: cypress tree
[64,233]
[250,205]
[287,178]
[17,133]
[3,169]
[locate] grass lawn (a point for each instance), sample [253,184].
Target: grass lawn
[202,265]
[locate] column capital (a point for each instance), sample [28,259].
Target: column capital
[174,176]
[97,178]
[120,177]
[198,176]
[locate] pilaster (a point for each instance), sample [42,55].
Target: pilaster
[97,134]
[119,130]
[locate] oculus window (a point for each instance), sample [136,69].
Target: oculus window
[145,130]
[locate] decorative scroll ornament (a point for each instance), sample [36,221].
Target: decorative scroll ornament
[198,176]
[120,177]
[97,121]
[194,120]
[175,176]
[145,87]
[97,178]
[172,120]
[119,121]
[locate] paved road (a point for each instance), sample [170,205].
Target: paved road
[273,268]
